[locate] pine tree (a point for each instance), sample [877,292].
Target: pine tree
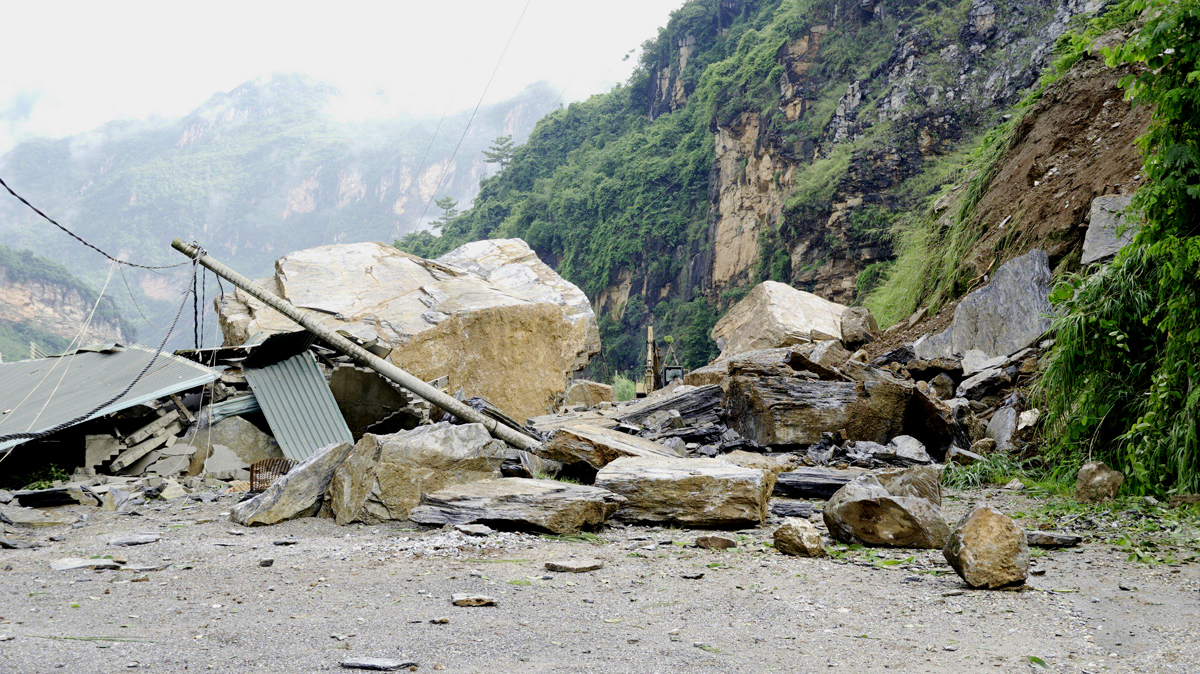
[500,152]
[449,206]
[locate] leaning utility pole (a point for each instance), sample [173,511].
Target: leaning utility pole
[359,354]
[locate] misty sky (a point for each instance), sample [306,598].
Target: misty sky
[71,66]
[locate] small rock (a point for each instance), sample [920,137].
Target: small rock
[988,549]
[265,563]
[1051,539]
[72,563]
[575,566]
[799,538]
[474,529]
[983,446]
[377,664]
[463,599]
[1097,482]
[715,542]
[282,543]
[135,539]
[1015,485]
[692,576]
[962,457]
[172,490]
[6,637]
[12,544]
[440,621]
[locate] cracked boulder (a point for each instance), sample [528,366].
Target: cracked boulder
[490,316]
[865,512]
[774,315]
[384,477]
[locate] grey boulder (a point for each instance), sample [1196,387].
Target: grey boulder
[520,504]
[1097,482]
[297,494]
[688,492]
[1109,231]
[865,512]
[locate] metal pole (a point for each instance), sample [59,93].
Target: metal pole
[359,354]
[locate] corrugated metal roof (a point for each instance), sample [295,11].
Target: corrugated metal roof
[40,394]
[299,406]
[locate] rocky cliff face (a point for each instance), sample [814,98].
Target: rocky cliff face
[934,88]
[42,303]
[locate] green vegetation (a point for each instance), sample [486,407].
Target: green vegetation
[15,339]
[1143,310]
[43,477]
[623,388]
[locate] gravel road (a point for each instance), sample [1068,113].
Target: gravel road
[384,591]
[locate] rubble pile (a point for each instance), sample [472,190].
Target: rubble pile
[792,409]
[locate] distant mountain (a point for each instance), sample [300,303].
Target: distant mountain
[251,174]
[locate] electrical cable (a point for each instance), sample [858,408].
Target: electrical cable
[88,415]
[473,113]
[79,238]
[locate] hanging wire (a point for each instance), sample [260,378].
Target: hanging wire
[79,238]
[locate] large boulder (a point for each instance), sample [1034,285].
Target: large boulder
[241,437]
[988,549]
[858,327]
[588,393]
[300,493]
[1003,317]
[865,512]
[1109,231]
[597,447]
[1097,482]
[774,315]
[489,315]
[688,492]
[782,411]
[386,474]
[520,504]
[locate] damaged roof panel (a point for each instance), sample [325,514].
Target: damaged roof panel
[299,406]
[39,394]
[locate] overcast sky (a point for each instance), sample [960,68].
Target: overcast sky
[71,66]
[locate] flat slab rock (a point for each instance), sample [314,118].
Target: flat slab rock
[1052,539]
[691,492]
[819,483]
[297,494]
[32,517]
[135,539]
[519,503]
[575,566]
[378,664]
[598,446]
[463,599]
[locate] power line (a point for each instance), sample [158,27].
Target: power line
[417,176]
[79,238]
[472,119]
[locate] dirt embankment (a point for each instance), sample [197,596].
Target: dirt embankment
[1077,143]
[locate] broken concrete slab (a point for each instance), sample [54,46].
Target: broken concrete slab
[1108,230]
[71,494]
[774,315]
[242,437]
[520,504]
[688,492]
[988,549]
[489,316]
[865,512]
[297,494]
[597,447]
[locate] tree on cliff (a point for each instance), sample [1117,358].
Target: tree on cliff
[500,152]
[449,208]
